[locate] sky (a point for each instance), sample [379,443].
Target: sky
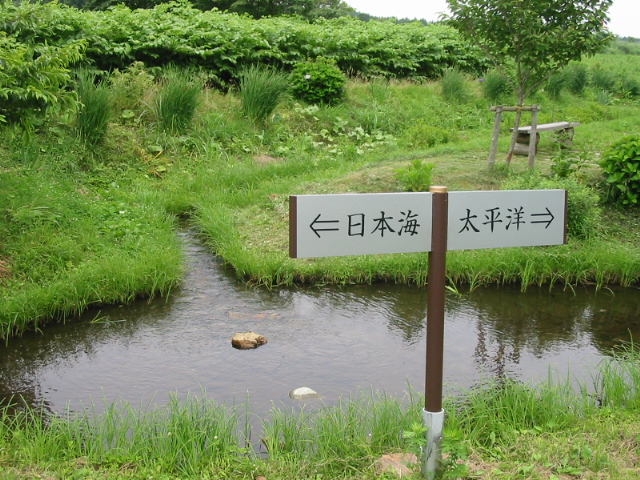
[623,14]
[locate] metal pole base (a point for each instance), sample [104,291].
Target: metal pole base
[434,422]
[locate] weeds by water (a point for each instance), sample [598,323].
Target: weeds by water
[500,429]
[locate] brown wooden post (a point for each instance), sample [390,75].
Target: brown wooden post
[533,136]
[496,135]
[437,276]
[433,414]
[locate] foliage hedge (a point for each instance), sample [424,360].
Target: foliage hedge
[222,43]
[621,168]
[318,82]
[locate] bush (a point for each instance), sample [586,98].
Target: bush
[583,202]
[176,103]
[577,78]
[621,168]
[95,110]
[318,82]
[495,86]
[34,80]
[602,79]
[555,84]
[416,177]
[261,89]
[454,87]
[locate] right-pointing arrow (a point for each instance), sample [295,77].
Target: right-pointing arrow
[548,214]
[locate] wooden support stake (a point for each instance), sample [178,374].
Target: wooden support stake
[533,136]
[495,137]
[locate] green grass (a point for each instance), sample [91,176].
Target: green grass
[499,429]
[74,245]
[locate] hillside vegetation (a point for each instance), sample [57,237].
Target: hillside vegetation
[91,194]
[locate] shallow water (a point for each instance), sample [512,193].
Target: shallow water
[334,340]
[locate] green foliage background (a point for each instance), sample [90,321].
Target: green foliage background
[221,43]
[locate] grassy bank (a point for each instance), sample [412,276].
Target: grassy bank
[88,218]
[499,430]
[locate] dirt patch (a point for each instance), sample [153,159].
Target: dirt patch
[4,269]
[266,159]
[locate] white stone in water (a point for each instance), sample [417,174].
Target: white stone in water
[303,393]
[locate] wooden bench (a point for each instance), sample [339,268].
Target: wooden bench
[564,135]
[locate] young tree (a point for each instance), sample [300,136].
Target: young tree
[529,40]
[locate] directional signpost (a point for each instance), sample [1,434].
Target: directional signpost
[434,222]
[359,224]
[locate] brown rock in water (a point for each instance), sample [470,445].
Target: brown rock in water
[402,464]
[247,340]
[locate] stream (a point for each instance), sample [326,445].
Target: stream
[335,340]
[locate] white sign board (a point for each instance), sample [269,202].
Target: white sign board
[359,224]
[506,218]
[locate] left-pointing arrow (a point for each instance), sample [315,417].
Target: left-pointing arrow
[317,220]
[548,214]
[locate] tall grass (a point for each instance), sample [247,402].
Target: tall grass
[603,79]
[494,86]
[555,84]
[454,86]
[577,78]
[617,383]
[93,117]
[193,435]
[261,90]
[177,100]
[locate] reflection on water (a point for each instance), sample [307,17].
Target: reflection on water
[334,340]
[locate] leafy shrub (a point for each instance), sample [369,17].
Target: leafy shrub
[261,89]
[577,78]
[454,87]
[621,168]
[95,110]
[416,177]
[494,86]
[583,202]
[33,80]
[318,82]
[566,163]
[177,101]
[422,135]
